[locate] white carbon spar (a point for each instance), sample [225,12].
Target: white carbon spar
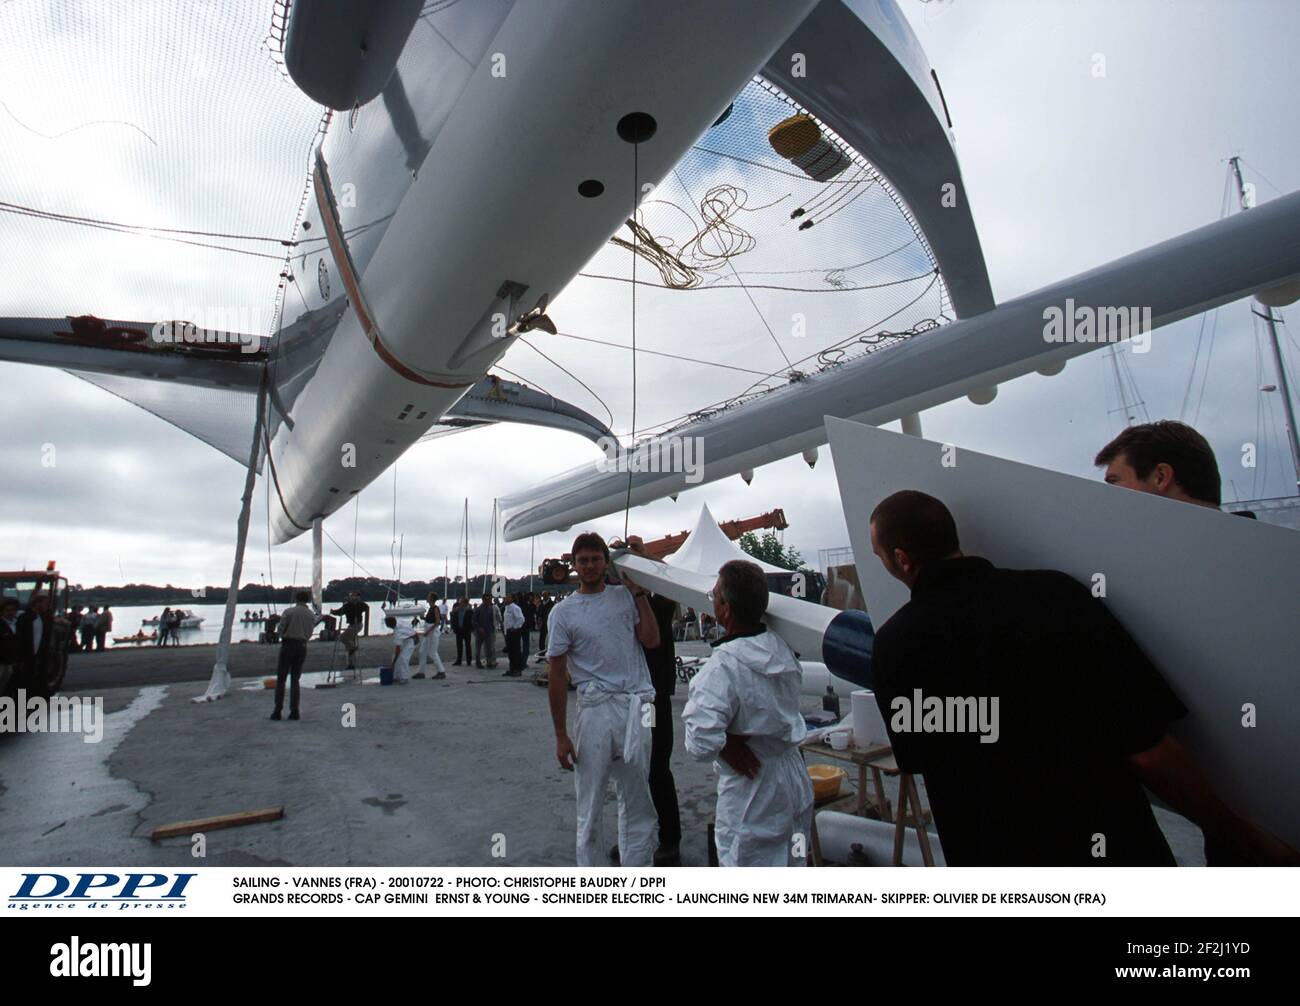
[492,224]
[801,624]
[1195,272]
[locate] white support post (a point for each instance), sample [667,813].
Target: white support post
[219,684]
[317,564]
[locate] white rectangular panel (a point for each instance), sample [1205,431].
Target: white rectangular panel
[1213,599]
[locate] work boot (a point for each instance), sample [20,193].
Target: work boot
[668,855]
[439,676]
[275,715]
[419,675]
[294,715]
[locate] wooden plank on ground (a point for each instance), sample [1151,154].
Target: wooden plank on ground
[217,823]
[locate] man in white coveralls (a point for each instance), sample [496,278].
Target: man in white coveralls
[405,639]
[743,711]
[596,637]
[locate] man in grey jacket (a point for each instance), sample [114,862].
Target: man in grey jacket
[295,629]
[485,631]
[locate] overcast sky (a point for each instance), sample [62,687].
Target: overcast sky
[1065,170]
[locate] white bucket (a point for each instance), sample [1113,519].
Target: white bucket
[868,725]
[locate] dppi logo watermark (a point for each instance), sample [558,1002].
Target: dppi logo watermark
[100,891]
[1095,325]
[231,326]
[61,714]
[946,714]
[666,454]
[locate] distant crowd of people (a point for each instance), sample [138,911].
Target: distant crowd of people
[90,627]
[516,616]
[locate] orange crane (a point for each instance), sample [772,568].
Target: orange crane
[557,571]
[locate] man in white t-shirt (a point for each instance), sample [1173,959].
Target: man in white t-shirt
[596,637]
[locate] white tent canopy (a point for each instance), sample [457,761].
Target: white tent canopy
[708,548]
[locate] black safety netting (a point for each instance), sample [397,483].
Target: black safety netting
[750,271]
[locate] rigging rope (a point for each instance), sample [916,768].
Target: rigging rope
[571,374]
[636,192]
[356,514]
[714,204]
[1196,355]
[656,352]
[769,286]
[756,389]
[351,556]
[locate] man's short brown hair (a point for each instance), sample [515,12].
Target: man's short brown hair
[589,541]
[744,588]
[1172,443]
[917,523]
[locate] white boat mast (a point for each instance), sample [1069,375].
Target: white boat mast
[1288,411]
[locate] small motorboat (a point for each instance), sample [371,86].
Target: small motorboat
[403,608]
[189,620]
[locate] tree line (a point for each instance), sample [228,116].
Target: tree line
[371,589]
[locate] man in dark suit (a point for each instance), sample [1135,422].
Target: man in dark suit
[543,616]
[485,631]
[9,645]
[34,631]
[528,605]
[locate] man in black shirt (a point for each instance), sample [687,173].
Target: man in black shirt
[662,664]
[543,616]
[10,649]
[34,627]
[662,661]
[460,624]
[357,612]
[528,608]
[353,609]
[1079,715]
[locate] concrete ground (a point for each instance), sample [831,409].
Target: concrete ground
[458,772]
